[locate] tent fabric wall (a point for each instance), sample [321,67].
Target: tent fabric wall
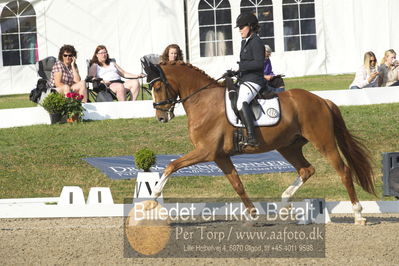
[355,27]
[129,29]
[346,29]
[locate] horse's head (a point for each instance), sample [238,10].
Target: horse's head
[164,97]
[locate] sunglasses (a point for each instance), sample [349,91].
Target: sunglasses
[67,55]
[371,61]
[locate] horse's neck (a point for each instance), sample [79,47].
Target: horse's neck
[204,104]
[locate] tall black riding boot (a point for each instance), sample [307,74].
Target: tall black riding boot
[247,119]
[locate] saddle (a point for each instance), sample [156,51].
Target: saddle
[255,106]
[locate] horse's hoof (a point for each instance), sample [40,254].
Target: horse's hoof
[286,205]
[149,204]
[249,224]
[360,221]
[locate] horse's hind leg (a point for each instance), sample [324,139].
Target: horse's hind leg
[293,154]
[330,150]
[229,170]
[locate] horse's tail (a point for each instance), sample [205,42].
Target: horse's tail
[356,154]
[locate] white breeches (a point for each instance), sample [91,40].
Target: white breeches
[248,91]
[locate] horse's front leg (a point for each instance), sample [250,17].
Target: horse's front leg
[193,157]
[230,171]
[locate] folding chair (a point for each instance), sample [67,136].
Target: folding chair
[44,67]
[43,86]
[103,93]
[150,58]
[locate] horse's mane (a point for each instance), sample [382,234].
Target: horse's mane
[221,83]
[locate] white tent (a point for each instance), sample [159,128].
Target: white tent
[343,30]
[128,28]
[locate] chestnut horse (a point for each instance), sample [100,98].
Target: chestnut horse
[305,117]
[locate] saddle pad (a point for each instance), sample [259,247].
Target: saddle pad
[269,117]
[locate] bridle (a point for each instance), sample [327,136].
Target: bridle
[172,100]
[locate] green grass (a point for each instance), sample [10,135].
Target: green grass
[37,161]
[321,82]
[15,101]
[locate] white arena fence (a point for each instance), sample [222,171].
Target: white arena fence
[71,203]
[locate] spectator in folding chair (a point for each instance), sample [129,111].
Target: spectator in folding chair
[171,53]
[389,69]
[101,66]
[65,76]
[274,82]
[367,75]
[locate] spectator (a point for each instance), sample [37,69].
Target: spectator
[388,69]
[172,53]
[65,76]
[111,75]
[367,74]
[276,82]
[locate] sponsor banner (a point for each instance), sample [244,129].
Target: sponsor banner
[124,168]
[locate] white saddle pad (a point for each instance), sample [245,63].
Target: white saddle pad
[269,117]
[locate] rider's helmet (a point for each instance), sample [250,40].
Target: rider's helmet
[248,19]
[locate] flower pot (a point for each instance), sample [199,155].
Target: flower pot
[73,119]
[57,118]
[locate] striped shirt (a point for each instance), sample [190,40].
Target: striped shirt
[66,74]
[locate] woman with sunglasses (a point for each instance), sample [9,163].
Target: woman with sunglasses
[367,75]
[252,57]
[65,76]
[389,69]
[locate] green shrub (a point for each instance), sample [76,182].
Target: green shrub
[54,103]
[144,159]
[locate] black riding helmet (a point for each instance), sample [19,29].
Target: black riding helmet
[246,19]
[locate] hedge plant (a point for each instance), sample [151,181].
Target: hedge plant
[144,159]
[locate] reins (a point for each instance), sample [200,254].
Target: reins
[173,101]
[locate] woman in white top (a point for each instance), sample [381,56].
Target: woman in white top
[367,75]
[389,69]
[111,74]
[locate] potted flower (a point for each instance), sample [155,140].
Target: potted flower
[55,104]
[73,107]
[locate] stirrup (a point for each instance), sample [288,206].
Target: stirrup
[251,141]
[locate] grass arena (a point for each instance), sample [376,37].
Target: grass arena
[38,161]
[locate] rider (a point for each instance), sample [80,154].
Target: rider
[252,57]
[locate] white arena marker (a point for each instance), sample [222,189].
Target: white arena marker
[100,195]
[315,212]
[145,184]
[71,195]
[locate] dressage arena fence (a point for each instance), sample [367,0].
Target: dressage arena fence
[71,204]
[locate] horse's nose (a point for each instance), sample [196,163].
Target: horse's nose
[162,120]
